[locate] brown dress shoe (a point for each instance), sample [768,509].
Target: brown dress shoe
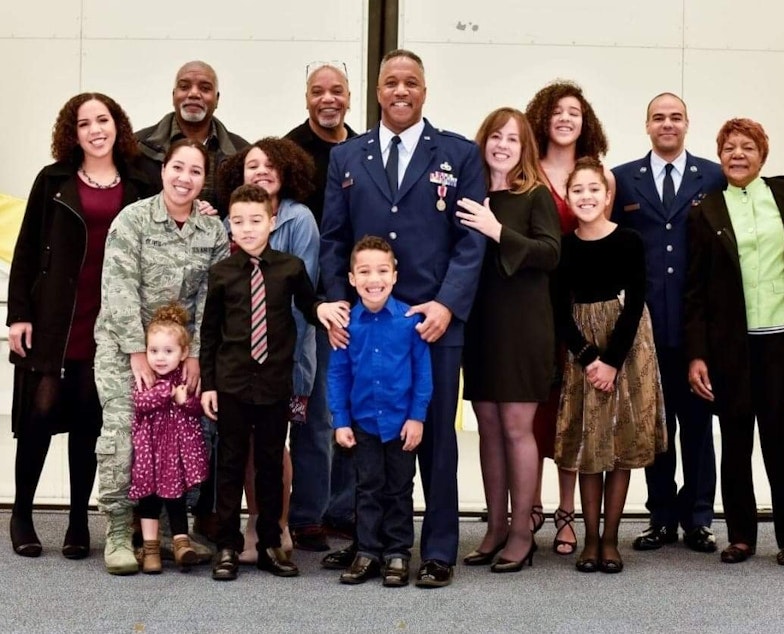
[362,569]
[734,554]
[396,573]
[276,561]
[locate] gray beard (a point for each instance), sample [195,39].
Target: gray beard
[192,117]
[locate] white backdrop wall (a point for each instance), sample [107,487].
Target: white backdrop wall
[478,56]
[54,49]
[481,55]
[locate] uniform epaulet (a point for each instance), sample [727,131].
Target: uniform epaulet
[453,135]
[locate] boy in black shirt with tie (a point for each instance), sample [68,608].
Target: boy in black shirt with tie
[247,356]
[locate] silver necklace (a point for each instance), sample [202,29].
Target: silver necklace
[96,184]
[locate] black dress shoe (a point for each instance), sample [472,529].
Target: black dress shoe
[76,544]
[701,539]
[23,537]
[312,538]
[276,561]
[654,537]
[733,554]
[340,559]
[362,569]
[780,557]
[226,565]
[396,573]
[434,574]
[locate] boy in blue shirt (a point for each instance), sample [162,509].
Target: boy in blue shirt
[379,389]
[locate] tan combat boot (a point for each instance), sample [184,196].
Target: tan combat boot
[184,554]
[118,552]
[152,557]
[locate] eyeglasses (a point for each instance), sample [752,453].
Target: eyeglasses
[312,67]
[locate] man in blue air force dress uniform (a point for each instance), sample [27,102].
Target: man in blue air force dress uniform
[410,201]
[654,196]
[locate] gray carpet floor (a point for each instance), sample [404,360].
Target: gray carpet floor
[670,590]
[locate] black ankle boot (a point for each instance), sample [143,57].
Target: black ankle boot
[23,537]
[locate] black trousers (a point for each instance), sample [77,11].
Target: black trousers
[49,404]
[268,424]
[737,443]
[150,507]
[385,502]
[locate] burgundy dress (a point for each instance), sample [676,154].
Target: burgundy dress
[169,455]
[547,412]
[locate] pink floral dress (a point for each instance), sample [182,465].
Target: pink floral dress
[169,455]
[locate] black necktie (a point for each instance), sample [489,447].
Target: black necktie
[668,187]
[391,166]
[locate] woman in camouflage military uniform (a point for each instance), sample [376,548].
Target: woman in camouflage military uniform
[158,251]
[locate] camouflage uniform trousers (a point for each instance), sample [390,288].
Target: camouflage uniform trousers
[114,380]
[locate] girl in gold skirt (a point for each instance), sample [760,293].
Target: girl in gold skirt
[611,412]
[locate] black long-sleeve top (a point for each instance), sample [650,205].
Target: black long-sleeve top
[597,271]
[225,359]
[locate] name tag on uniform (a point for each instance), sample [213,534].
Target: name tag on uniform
[632,207]
[348,182]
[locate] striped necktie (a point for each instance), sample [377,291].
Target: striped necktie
[258,314]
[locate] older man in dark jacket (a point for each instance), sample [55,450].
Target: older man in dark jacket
[195,98]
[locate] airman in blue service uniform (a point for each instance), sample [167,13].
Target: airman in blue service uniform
[654,196]
[411,202]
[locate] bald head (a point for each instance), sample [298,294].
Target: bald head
[198,65]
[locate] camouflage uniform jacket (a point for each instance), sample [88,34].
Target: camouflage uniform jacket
[150,262]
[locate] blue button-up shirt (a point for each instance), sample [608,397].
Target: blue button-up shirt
[384,377]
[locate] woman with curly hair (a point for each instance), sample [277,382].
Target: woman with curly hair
[566,129]
[53,302]
[286,172]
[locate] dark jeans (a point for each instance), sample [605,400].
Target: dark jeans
[692,506]
[737,443]
[268,423]
[311,450]
[150,508]
[385,496]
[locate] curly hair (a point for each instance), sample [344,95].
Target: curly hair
[525,175]
[171,317]
[65,142]
[747,128]
[295,168]
[592,140]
